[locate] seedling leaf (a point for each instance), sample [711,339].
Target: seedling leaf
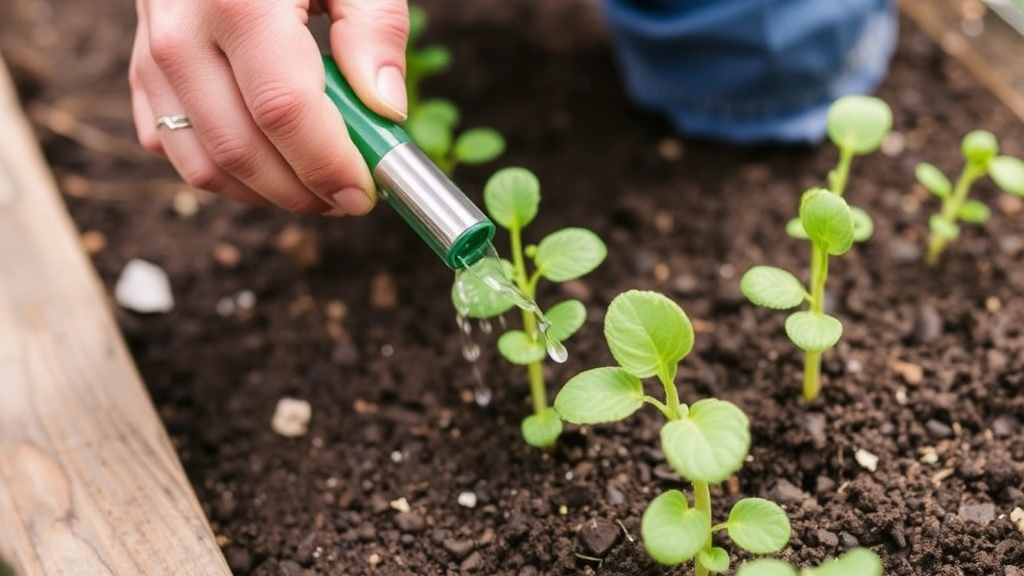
[795,229]
[648,334]
[672,531]
[979,147]
[766,567]
[827,220]
[943,228]
[709,443]
[519,348]
[859,123]
[478,145]
[438,110]
[473,299]
[512,196]
[428,60]
[863,226]
[565,318]
[856,562]
[813,332]
[933,179]
[1008,173]
[758,526]
[569,253]
[715,560]
[974,212]
[772,287]
[599,395]
[431,133]
[541,430]
[417,23]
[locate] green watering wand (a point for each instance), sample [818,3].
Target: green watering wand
[454,228]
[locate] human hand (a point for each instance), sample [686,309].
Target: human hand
[249,78]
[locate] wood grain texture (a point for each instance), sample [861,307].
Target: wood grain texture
[89,482]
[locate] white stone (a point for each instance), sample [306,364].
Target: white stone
[291,417]
[402,505]
[866,459]
[144,287]
[467,500]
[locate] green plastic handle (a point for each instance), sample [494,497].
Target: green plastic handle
[373,134]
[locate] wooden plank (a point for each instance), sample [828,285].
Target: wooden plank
[993,56]
[89,481]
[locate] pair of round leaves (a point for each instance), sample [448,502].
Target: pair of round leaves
[778,289]
[859,124]
[432,127]
[674,533]
[1006,171]
[856,562]
[649,335]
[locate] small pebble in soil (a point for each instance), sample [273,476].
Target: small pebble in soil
[938,430]
[893,144]
[289,568]
[467,500]
[301,245]
[670,149]
[474,562]
[980,513]
[225,307]
[929,455]
[685,284]
[928,325]
[401,504]
[143,287]
[227,255]
[1017,517]
[614,495]
[788,494]
[867,460]
[827,538]
[383,292]
[911,373]
[598,536]
[396,456]
[93,242]
[409,522]
[185,204]
[1009,205]
[373,559]
[291,417]
[903,251]
[459,549]
[1005,426]
[245,299]
[1011,245]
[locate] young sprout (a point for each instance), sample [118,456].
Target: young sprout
[512,197]
[856,562]
[829,224]
[981,157]
[431,123]
[705,442]
[856,125]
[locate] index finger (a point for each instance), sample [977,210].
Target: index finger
[279,71]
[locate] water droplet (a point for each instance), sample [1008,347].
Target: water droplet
[483,396]
[471,351]
[485,326]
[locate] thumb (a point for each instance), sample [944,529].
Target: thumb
[368,39]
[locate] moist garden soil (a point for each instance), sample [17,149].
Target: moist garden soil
[353,316]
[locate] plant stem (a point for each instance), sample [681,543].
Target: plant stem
[538,388]
[702,502]
[951,207]
[671,394]
[812,360]
[842,172]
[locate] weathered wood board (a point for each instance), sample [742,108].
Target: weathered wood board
[89,481]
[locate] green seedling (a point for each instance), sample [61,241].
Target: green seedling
[981,157]
[512,197]
[829,225]
[856,562]
[705,442]
[432,123]
[857,125]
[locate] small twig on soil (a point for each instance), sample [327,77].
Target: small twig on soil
[624,531]
[61,122]
[599,561]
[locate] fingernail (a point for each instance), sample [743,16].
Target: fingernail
[354,201]
[391,88]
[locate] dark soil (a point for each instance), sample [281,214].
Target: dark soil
[929,376]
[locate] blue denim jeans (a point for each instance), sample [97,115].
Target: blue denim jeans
[750,70]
